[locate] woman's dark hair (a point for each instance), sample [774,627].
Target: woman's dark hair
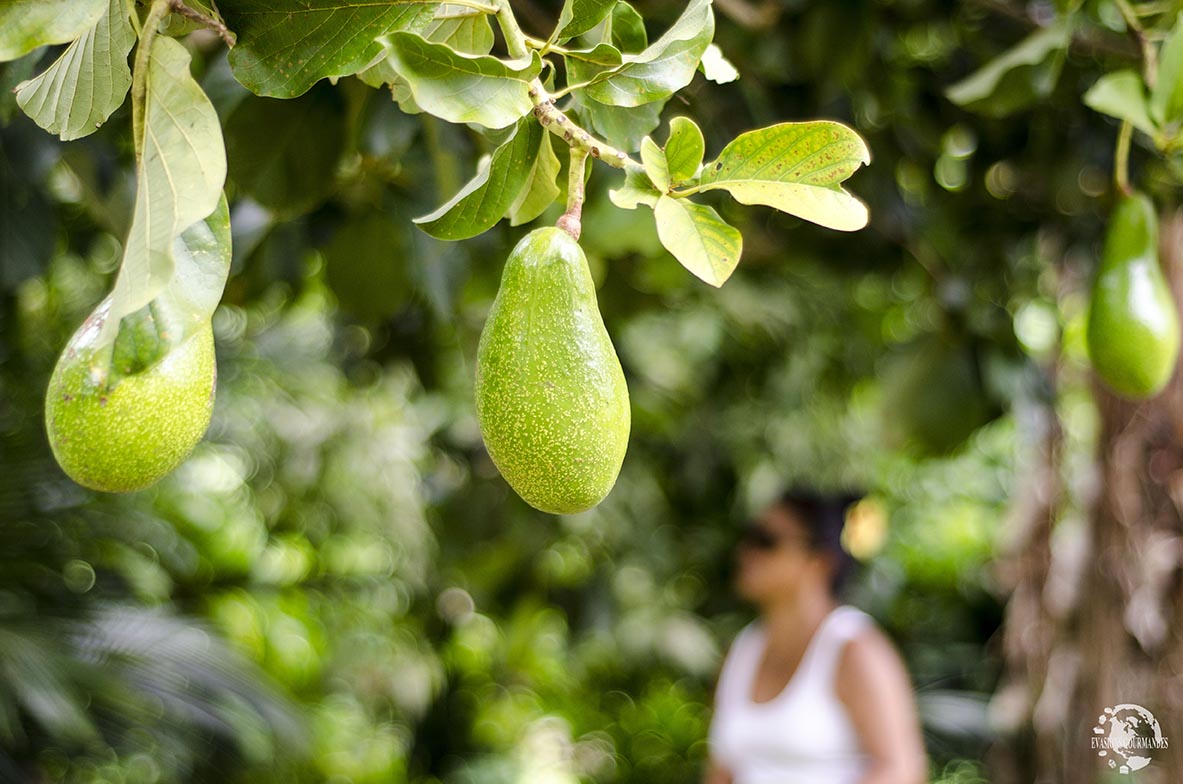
[824,515]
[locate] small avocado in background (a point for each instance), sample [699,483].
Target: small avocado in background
[551,397]
[121,419]
[1133,325]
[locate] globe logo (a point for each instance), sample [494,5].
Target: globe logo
[1125,737]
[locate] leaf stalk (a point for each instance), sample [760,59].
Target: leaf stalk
[1149,52]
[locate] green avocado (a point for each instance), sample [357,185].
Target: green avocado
[1133,326]
[120,420]
[550,394]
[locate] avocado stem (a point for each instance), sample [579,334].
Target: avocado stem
[1121,160]
[571,221]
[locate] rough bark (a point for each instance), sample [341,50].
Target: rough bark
[1095,613]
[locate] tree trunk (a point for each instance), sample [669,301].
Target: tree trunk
[1095,614]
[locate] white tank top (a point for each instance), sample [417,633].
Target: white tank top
[802,735]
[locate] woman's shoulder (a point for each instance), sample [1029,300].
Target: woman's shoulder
[849,621]
[748,638]
[749,634]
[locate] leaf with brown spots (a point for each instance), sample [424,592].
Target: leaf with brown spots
[796,168]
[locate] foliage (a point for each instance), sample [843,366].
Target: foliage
[342,528]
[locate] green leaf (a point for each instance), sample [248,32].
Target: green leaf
[628,29]
[698,238]
[796,168]
[1017,78]
[28,24]
[461,28]
[664,67]
[605,55]
[89,81]
[463,88]
[656,166]
[621,127]
[286,46]
[580,16]
[489,195]
[540,190]
[284,153]
[1166,102]
[178,180]
[716,67]
[1122,94]
[382,74]
[684,149]
[636,189]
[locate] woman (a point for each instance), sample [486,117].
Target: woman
[811,692]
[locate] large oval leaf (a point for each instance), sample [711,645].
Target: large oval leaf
[286,46]
[796,168]
[179,178]
[27,24]
[80,90]
[463,88]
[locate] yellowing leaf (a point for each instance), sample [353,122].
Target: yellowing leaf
[698,238]
[796,168]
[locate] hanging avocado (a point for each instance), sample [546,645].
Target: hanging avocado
[550,393]
[1133,326]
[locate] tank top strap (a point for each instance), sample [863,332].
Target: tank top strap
[843,624]
[741,661]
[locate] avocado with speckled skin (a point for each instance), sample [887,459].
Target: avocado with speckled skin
[551,397]
[121,419]
[1133,326]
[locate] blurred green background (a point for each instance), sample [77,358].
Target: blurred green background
[338,586]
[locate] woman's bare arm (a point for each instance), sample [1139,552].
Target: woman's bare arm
[716,774]
[874,686]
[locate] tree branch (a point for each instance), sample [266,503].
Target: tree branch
[1087,44]
[574,136]
[179,7]
[545,110]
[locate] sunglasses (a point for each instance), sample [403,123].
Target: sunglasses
[757,536]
